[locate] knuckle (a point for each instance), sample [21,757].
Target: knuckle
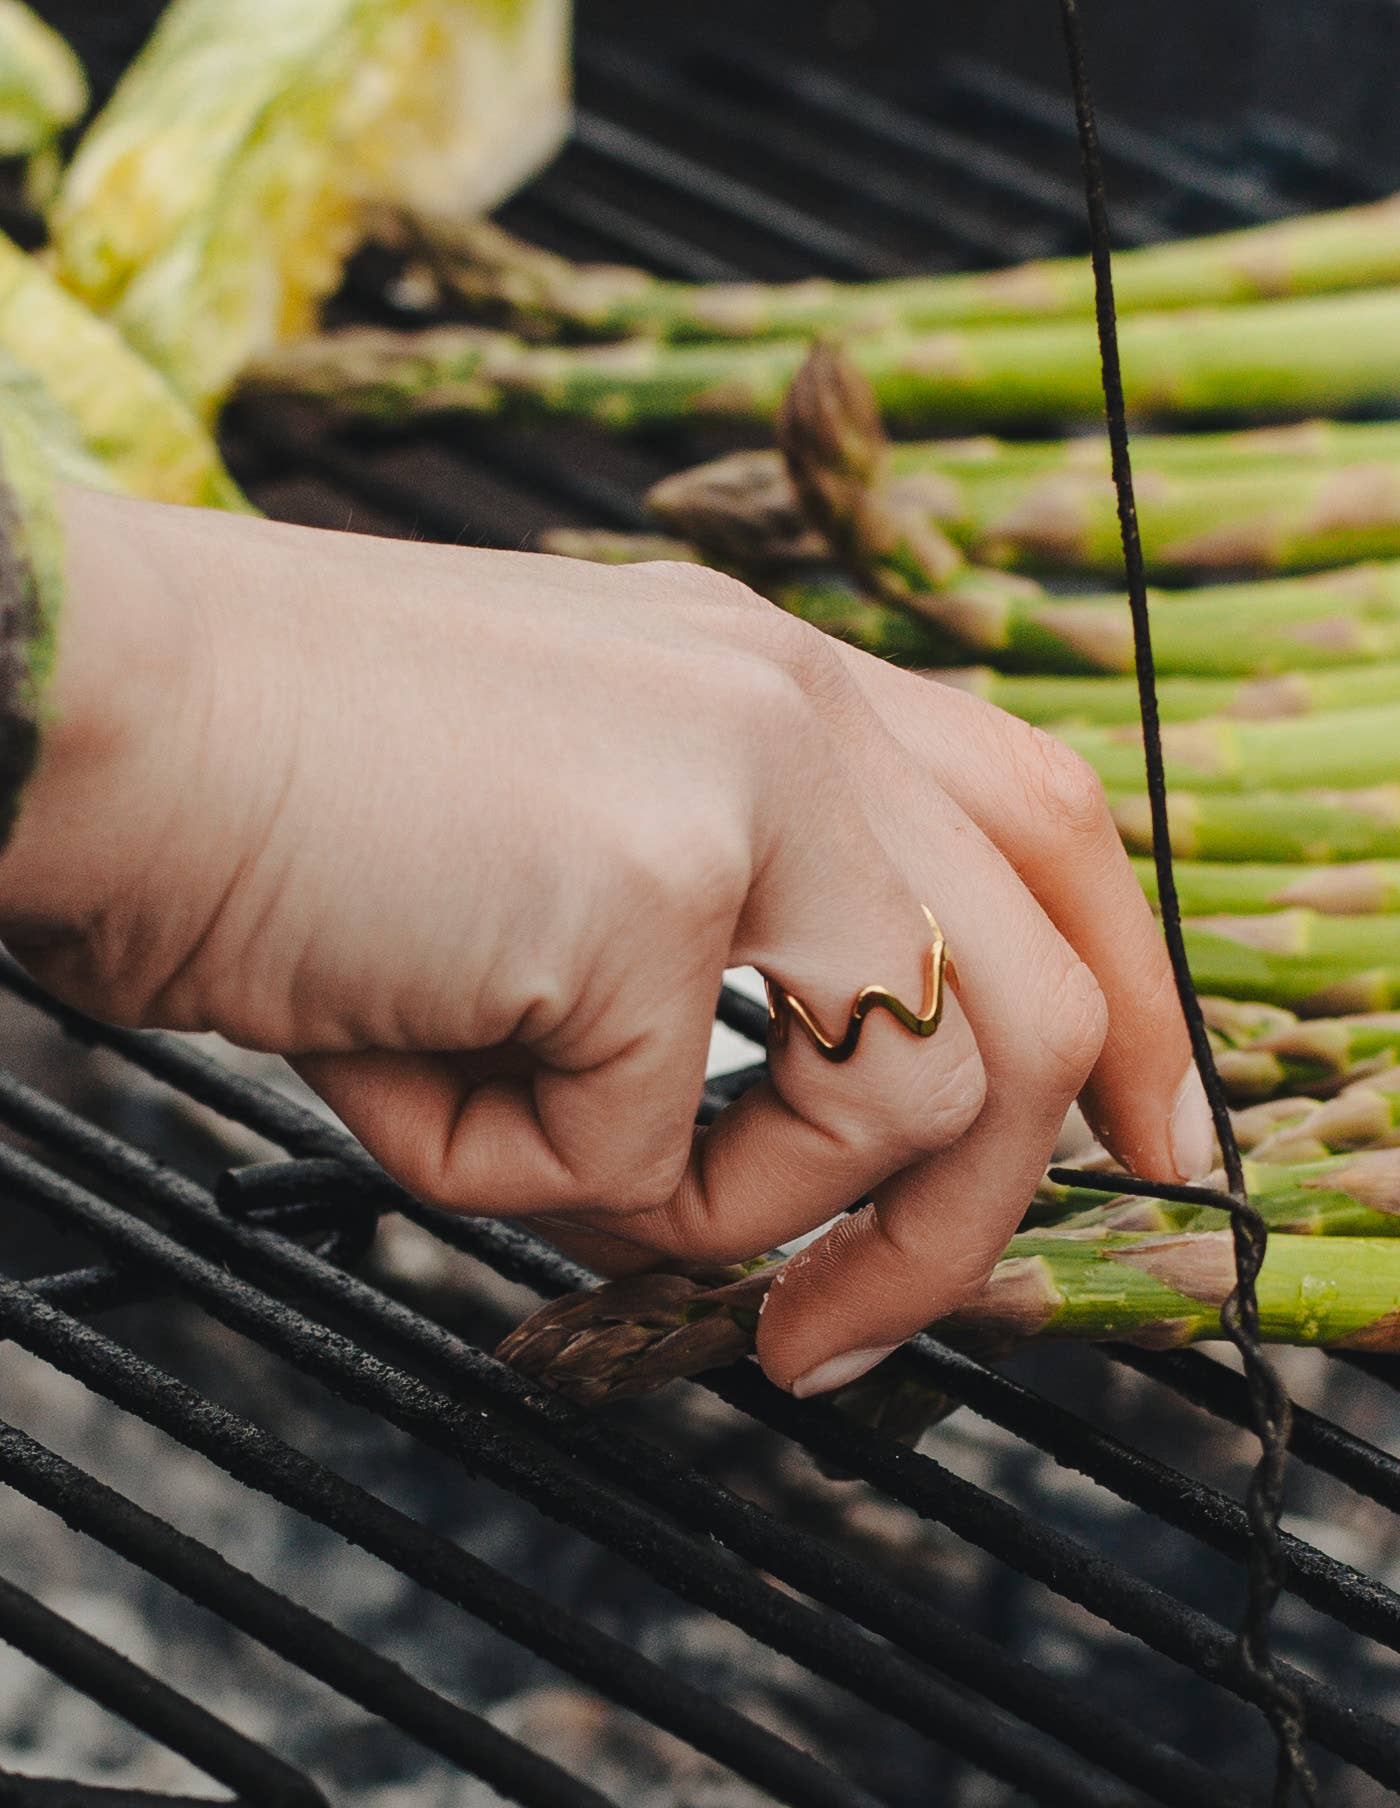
[646,1187]
[685,582]
[1069,789]
[696,864]
[1069,1021]
[949,1107]
[913,1116]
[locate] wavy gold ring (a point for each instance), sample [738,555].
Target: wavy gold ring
[783,1006]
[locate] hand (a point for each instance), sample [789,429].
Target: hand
[472,836]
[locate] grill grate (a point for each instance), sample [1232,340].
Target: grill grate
[709,163]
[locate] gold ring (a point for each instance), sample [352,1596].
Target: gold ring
[783,1006]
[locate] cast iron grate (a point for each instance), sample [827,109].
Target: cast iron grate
[713,164]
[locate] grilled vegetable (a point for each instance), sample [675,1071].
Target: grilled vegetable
[212,205]
[1159,1290]
[1279,358]
[95,393]
[541,294]
[43,91]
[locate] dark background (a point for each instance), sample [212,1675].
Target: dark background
[1325,65]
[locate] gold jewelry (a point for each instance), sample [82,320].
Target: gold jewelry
[783,1006]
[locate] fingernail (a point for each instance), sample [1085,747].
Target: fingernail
[840,1371]
[1192,1133]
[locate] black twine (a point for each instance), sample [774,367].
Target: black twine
[1270,1407]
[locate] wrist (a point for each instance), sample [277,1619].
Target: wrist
[97,844]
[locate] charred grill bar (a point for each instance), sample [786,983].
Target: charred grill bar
[701,163]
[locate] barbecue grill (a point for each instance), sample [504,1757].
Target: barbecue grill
[730,1597]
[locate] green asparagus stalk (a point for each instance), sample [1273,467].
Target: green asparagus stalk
[1314,964]
[1283,358]
[1249,887]
[504,279]
[1352,1194]
[1311,444]
[1294,515]
[1153,1289]
[1270,1122]
[1306,827]
[1111,702]
[1322,1056]
[1239,1023]
[1330,641]
[1038,498]
[1352,747]
[1286,626]
[1364,1115]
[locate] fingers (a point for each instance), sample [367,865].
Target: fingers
[468,1133]
[1044,809]
[798,1147]
[934,1231]
[924,1245]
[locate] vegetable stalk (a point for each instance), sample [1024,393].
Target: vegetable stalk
[1153,1289]
[1309,827]
[1250,887]
[1314,964]
[542,295]
[1281,626]
[1283,358]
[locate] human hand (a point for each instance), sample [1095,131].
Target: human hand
[471,837]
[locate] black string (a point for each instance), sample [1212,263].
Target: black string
[1271,1410]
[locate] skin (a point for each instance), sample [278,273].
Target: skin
[471,837]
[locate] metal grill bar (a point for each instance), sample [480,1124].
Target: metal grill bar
[1242,198]
[938,146]
[301,1637]
[916,1481]
[686,1564]
[1358,1601]
[682,175]
[850,175]
[262,1461]
[1316,1441]
[45,1792]
[148,1704]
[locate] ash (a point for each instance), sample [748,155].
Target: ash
[47,1730]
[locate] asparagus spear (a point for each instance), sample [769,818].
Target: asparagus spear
[1271,1122]
[1352,747]
[1283,358]
[1364,1115]
[1288,515]
[1314,964]
[1355,1193]
[1309,827]
[541,294]
[1242,888]
[1109,702]
[1310,444]
[1321,1056]
[1157,1290]
[1287,626]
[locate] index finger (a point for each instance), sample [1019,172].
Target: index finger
[1044,810]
